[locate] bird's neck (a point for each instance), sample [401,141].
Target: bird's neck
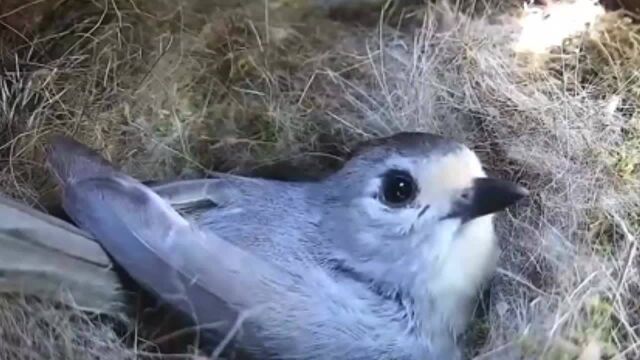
[386,290]
[428,315]
[438,273]
[438,290]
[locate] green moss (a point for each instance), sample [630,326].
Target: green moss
[627,157]
[599,326]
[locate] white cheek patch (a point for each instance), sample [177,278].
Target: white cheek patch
[440,242]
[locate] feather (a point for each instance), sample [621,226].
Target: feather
[203,276]
[46,257]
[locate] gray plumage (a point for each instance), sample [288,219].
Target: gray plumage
[316,270]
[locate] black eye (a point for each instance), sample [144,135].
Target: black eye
[398,188]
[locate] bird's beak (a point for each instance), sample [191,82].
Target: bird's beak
[489,195]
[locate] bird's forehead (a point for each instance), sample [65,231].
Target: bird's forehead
[453,170]
[407,144]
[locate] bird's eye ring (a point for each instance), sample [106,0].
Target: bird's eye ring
[398,188]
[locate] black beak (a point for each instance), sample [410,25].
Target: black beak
[487,196]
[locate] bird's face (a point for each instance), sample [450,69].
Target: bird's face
[418,194]
[413,193]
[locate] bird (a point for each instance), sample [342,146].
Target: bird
[381,259]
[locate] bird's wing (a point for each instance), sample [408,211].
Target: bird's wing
[205,276]
[265,217]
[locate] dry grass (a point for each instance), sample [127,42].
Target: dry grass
[33,329]
[172,90]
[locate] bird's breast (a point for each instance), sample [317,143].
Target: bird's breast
[467,265]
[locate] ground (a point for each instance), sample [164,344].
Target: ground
[284,88]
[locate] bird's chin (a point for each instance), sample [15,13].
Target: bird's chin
[451,225]
[478,220]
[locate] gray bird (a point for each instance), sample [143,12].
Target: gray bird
[381,260]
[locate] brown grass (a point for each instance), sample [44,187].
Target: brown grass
[34,329]
[175,89]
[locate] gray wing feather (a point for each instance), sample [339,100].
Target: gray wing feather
[203,276]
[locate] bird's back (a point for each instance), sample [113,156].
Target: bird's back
[275,220]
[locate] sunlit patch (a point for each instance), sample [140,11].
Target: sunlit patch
[544,28]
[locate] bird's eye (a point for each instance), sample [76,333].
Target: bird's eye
[398,188]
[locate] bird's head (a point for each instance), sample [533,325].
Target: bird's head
[411,194]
